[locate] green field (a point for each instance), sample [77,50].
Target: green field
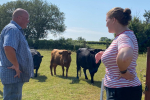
[47,87]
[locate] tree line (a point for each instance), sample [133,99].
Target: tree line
[62,43]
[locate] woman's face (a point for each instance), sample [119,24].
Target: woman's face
[110,24]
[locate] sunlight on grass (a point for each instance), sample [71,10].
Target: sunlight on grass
[47,87]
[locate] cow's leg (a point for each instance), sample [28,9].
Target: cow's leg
[55,69]
[62,70]
[36,72]
[78,68]
[67,71]
[84,70]
[51,66]
[92,75]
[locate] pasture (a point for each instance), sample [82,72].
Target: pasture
[47,87]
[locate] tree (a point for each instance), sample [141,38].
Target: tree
[80,39]
[44,17]
[105,39]
[141,30]
[147,16]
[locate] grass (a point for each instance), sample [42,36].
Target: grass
[47,87]
[97,46]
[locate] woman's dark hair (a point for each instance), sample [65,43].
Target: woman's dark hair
[122,15]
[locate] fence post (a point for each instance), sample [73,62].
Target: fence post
[102,89]
[147,85]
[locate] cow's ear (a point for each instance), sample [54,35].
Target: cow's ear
[92,52]
[69,52]
[97,50]
[41,56]
[60,52]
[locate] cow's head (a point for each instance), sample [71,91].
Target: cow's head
[66,56]
[94,52]
[37,59]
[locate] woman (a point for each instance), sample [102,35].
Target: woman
[120,57]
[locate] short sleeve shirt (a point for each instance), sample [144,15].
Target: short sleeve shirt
[12,35]
[125,39]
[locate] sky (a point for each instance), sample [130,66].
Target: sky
[87,18]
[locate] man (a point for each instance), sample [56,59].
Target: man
[16,59]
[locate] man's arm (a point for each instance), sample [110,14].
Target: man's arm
[11,56]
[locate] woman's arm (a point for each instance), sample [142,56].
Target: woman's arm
[98,56]
[123,60]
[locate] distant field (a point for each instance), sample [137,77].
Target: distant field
[97,46]
[47,87]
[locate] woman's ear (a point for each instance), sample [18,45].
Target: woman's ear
[114,20]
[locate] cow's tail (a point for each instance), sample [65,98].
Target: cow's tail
[78,70]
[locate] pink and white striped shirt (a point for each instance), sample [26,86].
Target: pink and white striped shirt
[124,39]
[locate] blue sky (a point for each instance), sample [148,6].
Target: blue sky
[87,18]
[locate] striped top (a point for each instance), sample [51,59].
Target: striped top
[124,39]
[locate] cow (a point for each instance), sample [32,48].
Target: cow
[86,59]
[37,59]
[62,58]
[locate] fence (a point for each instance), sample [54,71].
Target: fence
[147,85]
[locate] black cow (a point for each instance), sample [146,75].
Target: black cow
[37,59]
[86,60]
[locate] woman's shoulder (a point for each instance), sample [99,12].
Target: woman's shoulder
[127,33]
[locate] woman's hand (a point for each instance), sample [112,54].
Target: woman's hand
[98,56]
[127,75]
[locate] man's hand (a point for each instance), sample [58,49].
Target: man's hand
[16,69]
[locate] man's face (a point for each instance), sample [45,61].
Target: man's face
[24,20]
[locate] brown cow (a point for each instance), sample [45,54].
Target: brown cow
[62,58]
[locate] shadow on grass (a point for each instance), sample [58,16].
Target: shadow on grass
[40,78]
[1,93]
[76,81]
[96,83]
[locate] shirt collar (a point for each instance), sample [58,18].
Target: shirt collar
[13,22]
[122,32]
